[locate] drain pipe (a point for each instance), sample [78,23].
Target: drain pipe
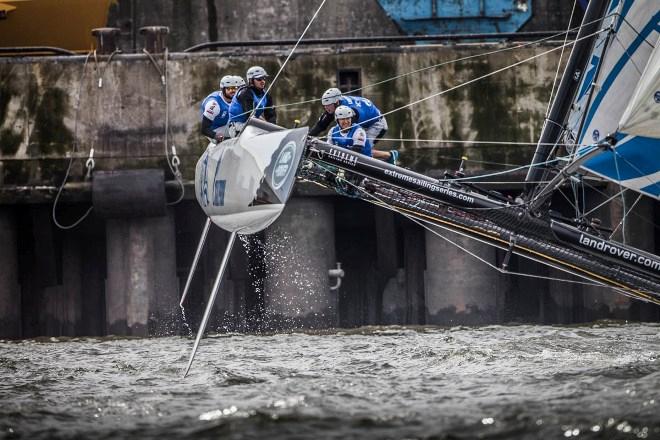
[337,273]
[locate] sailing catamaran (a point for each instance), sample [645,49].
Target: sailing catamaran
[606,113]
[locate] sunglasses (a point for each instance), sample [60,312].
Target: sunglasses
[263,78]
[231,88]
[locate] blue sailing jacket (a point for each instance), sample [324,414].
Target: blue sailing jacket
[218,114]
[347,141]
[365,109]
[236,111]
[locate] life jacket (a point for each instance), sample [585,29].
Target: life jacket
[222,118]
[346,141]
[236,111]
[367,112]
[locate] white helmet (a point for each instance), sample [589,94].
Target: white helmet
[344,112]
[241,81]
[229,81]
[331,96]
[255,72]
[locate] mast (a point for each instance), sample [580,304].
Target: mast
[554,125]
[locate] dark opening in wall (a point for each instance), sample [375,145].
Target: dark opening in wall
[348,80]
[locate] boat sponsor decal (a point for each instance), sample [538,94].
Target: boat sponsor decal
[619,252]
[430,186]
[343,156]
[219,192]
[283,165]
[203,182]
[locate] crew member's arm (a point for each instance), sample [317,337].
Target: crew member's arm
[211,111]
[359,139]
[322,124]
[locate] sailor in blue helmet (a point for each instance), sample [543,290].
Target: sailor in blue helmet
[348,135]
[367,115]
[249,98]
[215,108]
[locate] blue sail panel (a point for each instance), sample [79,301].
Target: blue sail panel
[634,163]
[617,65]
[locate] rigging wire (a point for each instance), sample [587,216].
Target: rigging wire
[633,166]
[570,202]
[486,143]
[605,202]
[481,77]
[561,57]
[295,46]
[623,199]
[501,270]
[614,198]
[385,205]
[499,173]
[622,222]
[444,63]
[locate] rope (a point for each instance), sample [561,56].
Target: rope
[71,157]
[175,161]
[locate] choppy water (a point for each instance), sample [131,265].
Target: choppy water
[597,381]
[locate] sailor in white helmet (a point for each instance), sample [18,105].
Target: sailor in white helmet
[215,108]
[348,135]
[252,97]
[241,81]
[367,115]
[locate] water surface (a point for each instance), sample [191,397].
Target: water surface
[595,381]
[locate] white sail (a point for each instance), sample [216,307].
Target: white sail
[609,85]
[642,116]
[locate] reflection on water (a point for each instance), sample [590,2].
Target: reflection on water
[596,381]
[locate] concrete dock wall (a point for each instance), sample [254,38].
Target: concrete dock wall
[51,106]
[124,276]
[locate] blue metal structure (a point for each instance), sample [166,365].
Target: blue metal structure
[458,16]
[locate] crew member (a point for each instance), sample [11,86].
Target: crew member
[215,109]
[348,135]
[251,98]
[241,81]
[367,115]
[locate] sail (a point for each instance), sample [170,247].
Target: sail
[622,60]
[642,116]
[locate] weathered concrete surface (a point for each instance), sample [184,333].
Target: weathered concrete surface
[10,293]
[141,286]
[198,21]
[50,102]
[459,288]
[300,248]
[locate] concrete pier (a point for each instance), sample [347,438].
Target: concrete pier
[641,233]
[299,252]
[414,256]
[141,288]
[459,288]
[10,293]
[356,246]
